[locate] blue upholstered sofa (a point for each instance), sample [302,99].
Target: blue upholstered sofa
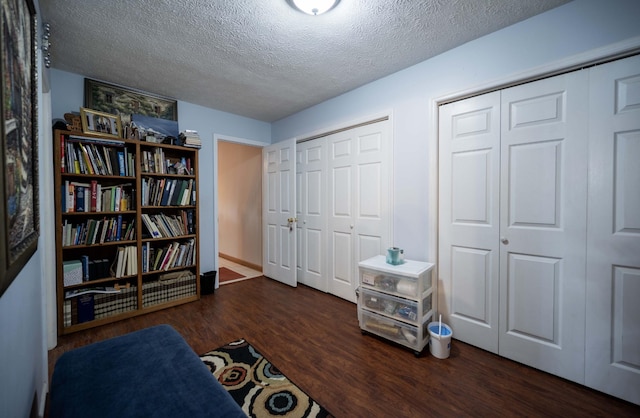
[148,373]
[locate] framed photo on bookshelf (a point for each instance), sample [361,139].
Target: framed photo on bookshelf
[94,122]
[19,209]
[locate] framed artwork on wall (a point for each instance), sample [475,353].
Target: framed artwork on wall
[125,102]
[19,211]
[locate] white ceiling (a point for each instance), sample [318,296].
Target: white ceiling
[261,58]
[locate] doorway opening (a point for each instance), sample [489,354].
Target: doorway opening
[239,191]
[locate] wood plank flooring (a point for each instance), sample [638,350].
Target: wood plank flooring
[314,339]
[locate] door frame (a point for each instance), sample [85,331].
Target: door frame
[564,65]
[216,226]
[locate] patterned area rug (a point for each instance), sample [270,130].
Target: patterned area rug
[258,386]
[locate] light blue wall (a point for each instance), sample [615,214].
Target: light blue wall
[23,350]
[580,26]
[22,341]
[67,96]
[577,27]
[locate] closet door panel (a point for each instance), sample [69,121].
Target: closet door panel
[342,234]
[543,216]
[360,212]
[469,176]
[311,225]
[613,240]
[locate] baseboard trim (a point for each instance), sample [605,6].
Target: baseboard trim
[42,404]
[241,262]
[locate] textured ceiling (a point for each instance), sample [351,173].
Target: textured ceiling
[261,58]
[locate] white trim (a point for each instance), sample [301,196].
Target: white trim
[42,402]
[573,62]
[216,225]
[591,57]
[346,124]
[237,140]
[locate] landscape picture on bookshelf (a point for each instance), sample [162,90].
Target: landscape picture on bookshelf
[95,122]
[159,129]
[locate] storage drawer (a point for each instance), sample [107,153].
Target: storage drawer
[393,306]
[397,284]
[392,330]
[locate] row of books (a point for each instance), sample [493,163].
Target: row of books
[175,254]
[166,226]
[82,155]
[98,231]
[86,304]
[190,138]
[126,262]
[96,197]
[168,192]
[84,270]
[155,162]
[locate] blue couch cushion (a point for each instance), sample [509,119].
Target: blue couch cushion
[148,373]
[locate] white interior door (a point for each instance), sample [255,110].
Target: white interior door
[469,210]
[279,212]
[543,197]
[311,195]
[359,223]
[613,241]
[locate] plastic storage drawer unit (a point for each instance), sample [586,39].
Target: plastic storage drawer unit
[396,301]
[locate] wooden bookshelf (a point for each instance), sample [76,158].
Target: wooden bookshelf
[126,228]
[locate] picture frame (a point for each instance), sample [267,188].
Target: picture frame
[19,206]
[125,102]
[100,123]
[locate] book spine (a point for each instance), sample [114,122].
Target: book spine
[84,259]
[119,228]
[79,190]
[62,157]
[94,195]
[121,166]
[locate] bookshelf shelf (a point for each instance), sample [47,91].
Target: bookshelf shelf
[107,238]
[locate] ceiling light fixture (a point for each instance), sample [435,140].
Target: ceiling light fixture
[314,7]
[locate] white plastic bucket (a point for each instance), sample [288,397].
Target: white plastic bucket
[439,339]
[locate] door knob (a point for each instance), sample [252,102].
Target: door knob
[504,240]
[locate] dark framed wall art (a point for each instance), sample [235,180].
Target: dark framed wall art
[19,211]
[125,102]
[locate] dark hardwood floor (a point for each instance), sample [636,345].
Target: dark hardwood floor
[314,339]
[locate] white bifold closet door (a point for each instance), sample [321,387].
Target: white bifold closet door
[343,206]
[312,213]
[512,216]
[539,245]
[543,199]
[613,238]
[359,202]
[469,211]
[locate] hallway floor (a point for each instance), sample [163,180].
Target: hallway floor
[247,272]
